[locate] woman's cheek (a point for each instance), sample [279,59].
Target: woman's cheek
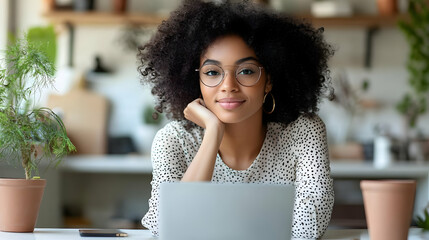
[210,106]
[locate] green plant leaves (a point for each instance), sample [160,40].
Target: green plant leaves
[416,31]
[423,222]
[412,106]
[45,37]
[148,116]
[28,134]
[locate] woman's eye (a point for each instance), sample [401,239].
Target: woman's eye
[212,73]
[246,71]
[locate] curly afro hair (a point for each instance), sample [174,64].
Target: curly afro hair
[293,53]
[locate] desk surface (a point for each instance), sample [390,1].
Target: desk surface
[137,164]
[69,234]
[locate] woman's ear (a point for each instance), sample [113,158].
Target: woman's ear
[268,84]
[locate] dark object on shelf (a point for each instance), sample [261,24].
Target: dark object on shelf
[72,211]
[368,150]
[348,216]
[83,5]
[400,149]
[99,68]
[119,6]
[121,145]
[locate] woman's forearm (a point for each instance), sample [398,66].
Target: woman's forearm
[202,166]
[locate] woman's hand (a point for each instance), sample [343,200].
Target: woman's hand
[197,112]
[202,166]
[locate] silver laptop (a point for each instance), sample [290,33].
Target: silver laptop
[242,211]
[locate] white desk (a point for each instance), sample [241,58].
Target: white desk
[72,234]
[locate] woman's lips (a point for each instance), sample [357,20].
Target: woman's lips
[229,103]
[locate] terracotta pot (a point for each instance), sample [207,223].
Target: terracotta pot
[388,207]
[19,204]
[48,5]
[387,7]
[119,6]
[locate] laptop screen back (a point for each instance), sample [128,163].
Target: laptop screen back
[225,211]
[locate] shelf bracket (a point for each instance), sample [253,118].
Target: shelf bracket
[370,31]
[70,28]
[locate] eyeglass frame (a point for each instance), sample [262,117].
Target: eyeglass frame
[235,75]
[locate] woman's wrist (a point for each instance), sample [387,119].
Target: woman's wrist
[202,166]
[216,129]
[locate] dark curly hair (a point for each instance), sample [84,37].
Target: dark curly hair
[292,52]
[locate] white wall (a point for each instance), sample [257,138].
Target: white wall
[4,21]
[28,15]
[387,77]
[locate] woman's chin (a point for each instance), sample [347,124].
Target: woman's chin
[232,119]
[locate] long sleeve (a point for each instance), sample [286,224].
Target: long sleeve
[314,186]
[168,161]
[300,151]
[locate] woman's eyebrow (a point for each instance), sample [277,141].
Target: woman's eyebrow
[245,59]
[212,61]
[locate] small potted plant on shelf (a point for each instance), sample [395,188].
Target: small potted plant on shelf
[151,123]
[352,100]
[414,104]
[28,135]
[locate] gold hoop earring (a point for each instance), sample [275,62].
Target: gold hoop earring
[274,103]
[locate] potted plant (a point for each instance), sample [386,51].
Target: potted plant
[414,104]
[352,100]
[28,135]
[151,123]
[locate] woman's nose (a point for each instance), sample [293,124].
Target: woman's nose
[229,82]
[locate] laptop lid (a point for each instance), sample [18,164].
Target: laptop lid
[203,210]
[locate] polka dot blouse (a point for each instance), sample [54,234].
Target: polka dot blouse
[291,154]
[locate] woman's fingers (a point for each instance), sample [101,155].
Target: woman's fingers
[198,113]
[201,101]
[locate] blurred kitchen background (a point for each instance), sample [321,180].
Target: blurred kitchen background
[108,112]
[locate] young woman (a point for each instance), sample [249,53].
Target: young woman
[242,85]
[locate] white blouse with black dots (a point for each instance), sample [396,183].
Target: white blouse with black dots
[296,153]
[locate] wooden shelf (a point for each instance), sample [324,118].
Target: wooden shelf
[88,18]
[91,18]
[363,21]
[371,23]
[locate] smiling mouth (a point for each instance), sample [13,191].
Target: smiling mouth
[230,104]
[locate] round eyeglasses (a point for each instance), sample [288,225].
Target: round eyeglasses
[247,74]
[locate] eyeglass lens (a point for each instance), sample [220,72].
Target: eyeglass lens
[247,74]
